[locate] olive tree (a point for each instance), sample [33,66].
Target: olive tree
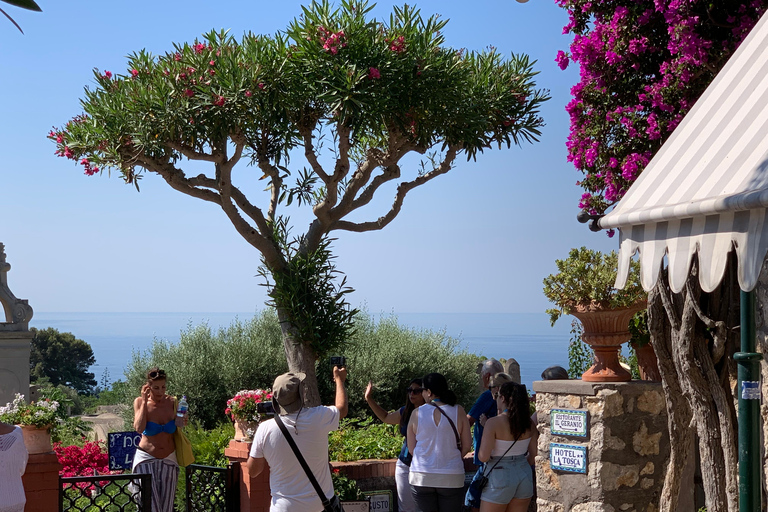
[347,95]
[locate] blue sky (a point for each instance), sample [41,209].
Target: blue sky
[479,239]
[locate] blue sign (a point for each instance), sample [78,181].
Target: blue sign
[121,447]
[750,390]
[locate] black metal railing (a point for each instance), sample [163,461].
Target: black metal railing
[105,493]
[213,489]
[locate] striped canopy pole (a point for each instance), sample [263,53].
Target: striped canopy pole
[749,409]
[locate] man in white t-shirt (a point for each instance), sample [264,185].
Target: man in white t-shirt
[309,427]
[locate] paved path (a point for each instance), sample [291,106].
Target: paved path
[108,420]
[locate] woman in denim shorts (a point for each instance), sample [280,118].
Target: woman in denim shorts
[508,448]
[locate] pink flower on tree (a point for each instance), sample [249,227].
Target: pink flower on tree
[562,60]
[373,73]
[134,73]
[219,101]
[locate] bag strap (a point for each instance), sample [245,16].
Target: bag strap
[499,460]
[301,460]
[453,426]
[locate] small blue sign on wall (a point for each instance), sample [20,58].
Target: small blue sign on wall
[121,446]
[568,457]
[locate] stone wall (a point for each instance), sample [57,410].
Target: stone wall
[627,447]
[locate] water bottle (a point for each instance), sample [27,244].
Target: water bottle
[183,406]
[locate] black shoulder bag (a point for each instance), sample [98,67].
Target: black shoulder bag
[332,505]
[481,482]
[453,426]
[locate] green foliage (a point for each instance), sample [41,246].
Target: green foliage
[71,430]
[113,394]
[211,367]
[209,445]
[580,355]
[391,355]
[24,4]
[638,328]
[363,439]
[308,292]
[61,358]
[587,277]
[344,487]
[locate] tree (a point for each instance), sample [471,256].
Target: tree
[61,358]
[643,65]
[352,96]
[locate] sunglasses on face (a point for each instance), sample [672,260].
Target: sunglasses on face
[415,390]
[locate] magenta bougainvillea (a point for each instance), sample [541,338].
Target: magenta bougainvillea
[643,64]
[90,459]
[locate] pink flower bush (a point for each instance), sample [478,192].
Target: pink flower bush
[373,73]
[90,459]
[642,65]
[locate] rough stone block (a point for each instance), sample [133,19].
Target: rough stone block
[546,479]
[548,506]
[614,402]
[651,402]
[645,443]
[593,506]
[648,469]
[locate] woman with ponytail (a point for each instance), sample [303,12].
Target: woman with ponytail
[508,448]
[438,437]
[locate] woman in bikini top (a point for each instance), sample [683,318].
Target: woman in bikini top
[154,415]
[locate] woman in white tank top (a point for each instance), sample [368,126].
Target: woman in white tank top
[438,437]
[508,448]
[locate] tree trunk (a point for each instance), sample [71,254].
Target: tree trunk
[679,413]
[300,358]
[707,393]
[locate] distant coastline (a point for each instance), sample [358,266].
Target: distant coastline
[527,337]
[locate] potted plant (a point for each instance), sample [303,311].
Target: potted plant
[35,419]
[584,287]
[640,342]
[243,408]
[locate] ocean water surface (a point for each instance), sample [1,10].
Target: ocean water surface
[527,337]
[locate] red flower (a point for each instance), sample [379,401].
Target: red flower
[373,73]
[134,72]
[219,101]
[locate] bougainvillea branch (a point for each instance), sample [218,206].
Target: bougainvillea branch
[642,65]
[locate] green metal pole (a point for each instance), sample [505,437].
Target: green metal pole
[748,360]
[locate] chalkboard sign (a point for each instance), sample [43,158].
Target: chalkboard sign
[121,446]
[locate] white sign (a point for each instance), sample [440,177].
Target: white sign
[566,422]
[355,506]
[381,501]
[567,457]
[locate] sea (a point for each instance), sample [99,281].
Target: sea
[526,337]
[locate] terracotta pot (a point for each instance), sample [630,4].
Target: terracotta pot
[646,362]
[605,330]
[244,430]
[37,440]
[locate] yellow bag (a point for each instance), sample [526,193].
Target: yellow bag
[184,454]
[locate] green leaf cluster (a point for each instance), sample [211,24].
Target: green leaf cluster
[358,439]
[587,278]
[311,296]
[267,90]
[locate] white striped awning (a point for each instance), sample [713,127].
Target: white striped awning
[706,189]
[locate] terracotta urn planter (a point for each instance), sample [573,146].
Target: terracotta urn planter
[605,330]
[646,362]
[244,430]
[37,440]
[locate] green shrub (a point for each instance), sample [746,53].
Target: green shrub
[363,439]
[209,445]
[391,355]
[211,367]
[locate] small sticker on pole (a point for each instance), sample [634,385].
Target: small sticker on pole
[750,390]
